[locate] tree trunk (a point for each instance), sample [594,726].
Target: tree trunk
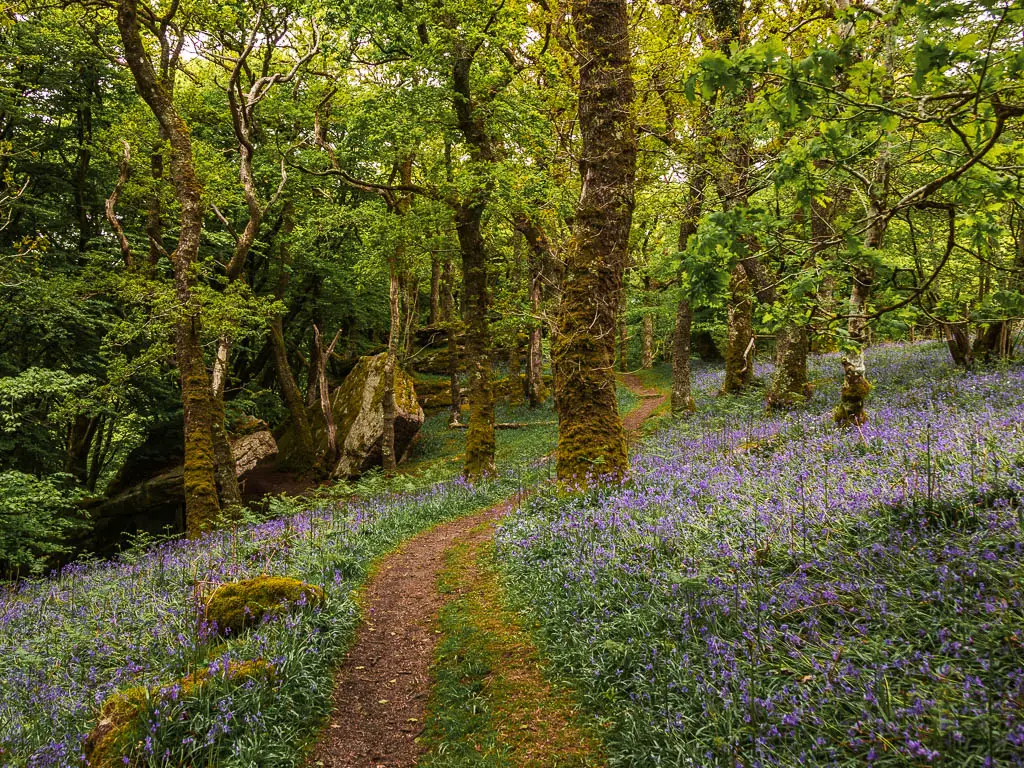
[387,451]
[305,453]
[448,316]
[325,394]
[682,395]
[739,353]
[435,289]
[539,255]
[475,296]
[81,434]
[292,395]
[959,344]
[476,299]
[789,384]
[202,508]
[682,334]
[591,439]
[227,479]
[648,341]
[623,343]
[856,387]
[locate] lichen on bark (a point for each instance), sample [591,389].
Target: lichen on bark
[591,440]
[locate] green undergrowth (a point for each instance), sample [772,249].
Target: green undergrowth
[439,451]
[490,705]
[69,643]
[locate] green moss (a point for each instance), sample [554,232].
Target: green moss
[124,715]
[234,607]
[120,724]
[853,395]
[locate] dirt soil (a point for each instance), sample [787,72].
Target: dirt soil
[650,401]
[381,689]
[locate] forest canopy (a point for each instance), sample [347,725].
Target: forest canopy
[209,211]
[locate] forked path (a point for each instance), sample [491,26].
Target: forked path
[382,688]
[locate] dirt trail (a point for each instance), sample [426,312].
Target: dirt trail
[381,689]
[650,401]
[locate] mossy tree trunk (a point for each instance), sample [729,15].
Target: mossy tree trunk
[324,391]
[682,394]
[387,451]
[790,386]
[292,395]
[469,213]
[739,353]
[647,341]
[202,503]
[591,439]
[682,334]
[202,506]
[476,300]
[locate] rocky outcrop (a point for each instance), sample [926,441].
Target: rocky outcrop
[358,408]
[249,450]
[156,503]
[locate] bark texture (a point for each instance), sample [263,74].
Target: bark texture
[539,256]
[202,508]
[475,294]
[476,299]
[591,439]
[739,354]
[789,384]
[682,394]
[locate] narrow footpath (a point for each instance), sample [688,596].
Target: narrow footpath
[383,686]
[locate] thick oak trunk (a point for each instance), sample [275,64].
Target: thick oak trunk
[591,439]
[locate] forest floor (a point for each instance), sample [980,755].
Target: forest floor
[438,588]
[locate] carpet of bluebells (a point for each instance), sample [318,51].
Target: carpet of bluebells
[773,591]
[69,641]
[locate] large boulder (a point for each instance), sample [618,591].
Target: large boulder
[155,502]
[358,406]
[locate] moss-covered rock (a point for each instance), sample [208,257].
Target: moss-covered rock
[234,607]
[123,716]
[358,409]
